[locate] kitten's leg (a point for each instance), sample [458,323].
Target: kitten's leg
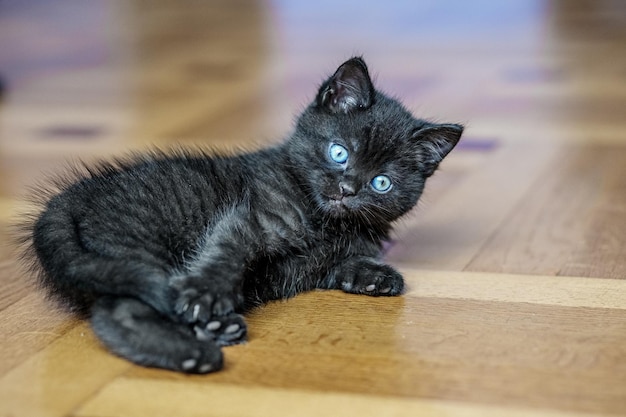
[211,285]
[89,275]
[365,275]
[137,332]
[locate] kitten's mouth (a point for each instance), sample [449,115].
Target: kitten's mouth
[337,204]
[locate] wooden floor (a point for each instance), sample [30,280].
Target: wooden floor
[515,258]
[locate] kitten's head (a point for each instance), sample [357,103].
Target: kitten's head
[361,154]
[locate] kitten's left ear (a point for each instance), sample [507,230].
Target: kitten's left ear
[435,142]
[350,88]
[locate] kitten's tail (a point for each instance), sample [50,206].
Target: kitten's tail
[46,240]
[77,276]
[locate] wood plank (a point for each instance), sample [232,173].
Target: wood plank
[485,352]
[602,249]
[515,353]
[55,380]
[14,283]
[448,234]
[568,222]
[547,290]
[126,397]
[27,327]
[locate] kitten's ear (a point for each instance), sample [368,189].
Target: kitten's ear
[350,88]
[435,142]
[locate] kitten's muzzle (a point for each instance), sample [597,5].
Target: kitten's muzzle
[340,200]
[346,190]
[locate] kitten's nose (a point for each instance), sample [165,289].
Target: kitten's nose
[346,189]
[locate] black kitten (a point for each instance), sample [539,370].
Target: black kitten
[165,251]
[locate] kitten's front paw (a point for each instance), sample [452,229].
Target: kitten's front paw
[224,331]
[370,277]
[197,299]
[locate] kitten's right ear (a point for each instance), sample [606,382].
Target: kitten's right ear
[350,88]
[435,142]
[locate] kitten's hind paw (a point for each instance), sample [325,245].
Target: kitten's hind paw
[137,332]
[201,362]
[370,277]
[223,330]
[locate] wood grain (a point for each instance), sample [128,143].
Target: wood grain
[450,233]
[486,352]
[563,224]
[127,397]
[28,327]
[53,381]
[533,289]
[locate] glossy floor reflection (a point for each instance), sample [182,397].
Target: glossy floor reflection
[515,257]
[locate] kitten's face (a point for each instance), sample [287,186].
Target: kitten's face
[361,153]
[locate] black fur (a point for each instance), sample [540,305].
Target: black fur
[164,251]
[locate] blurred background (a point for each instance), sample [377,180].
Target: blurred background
[90,79]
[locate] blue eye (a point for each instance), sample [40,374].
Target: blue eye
[338,153]
[381,183]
